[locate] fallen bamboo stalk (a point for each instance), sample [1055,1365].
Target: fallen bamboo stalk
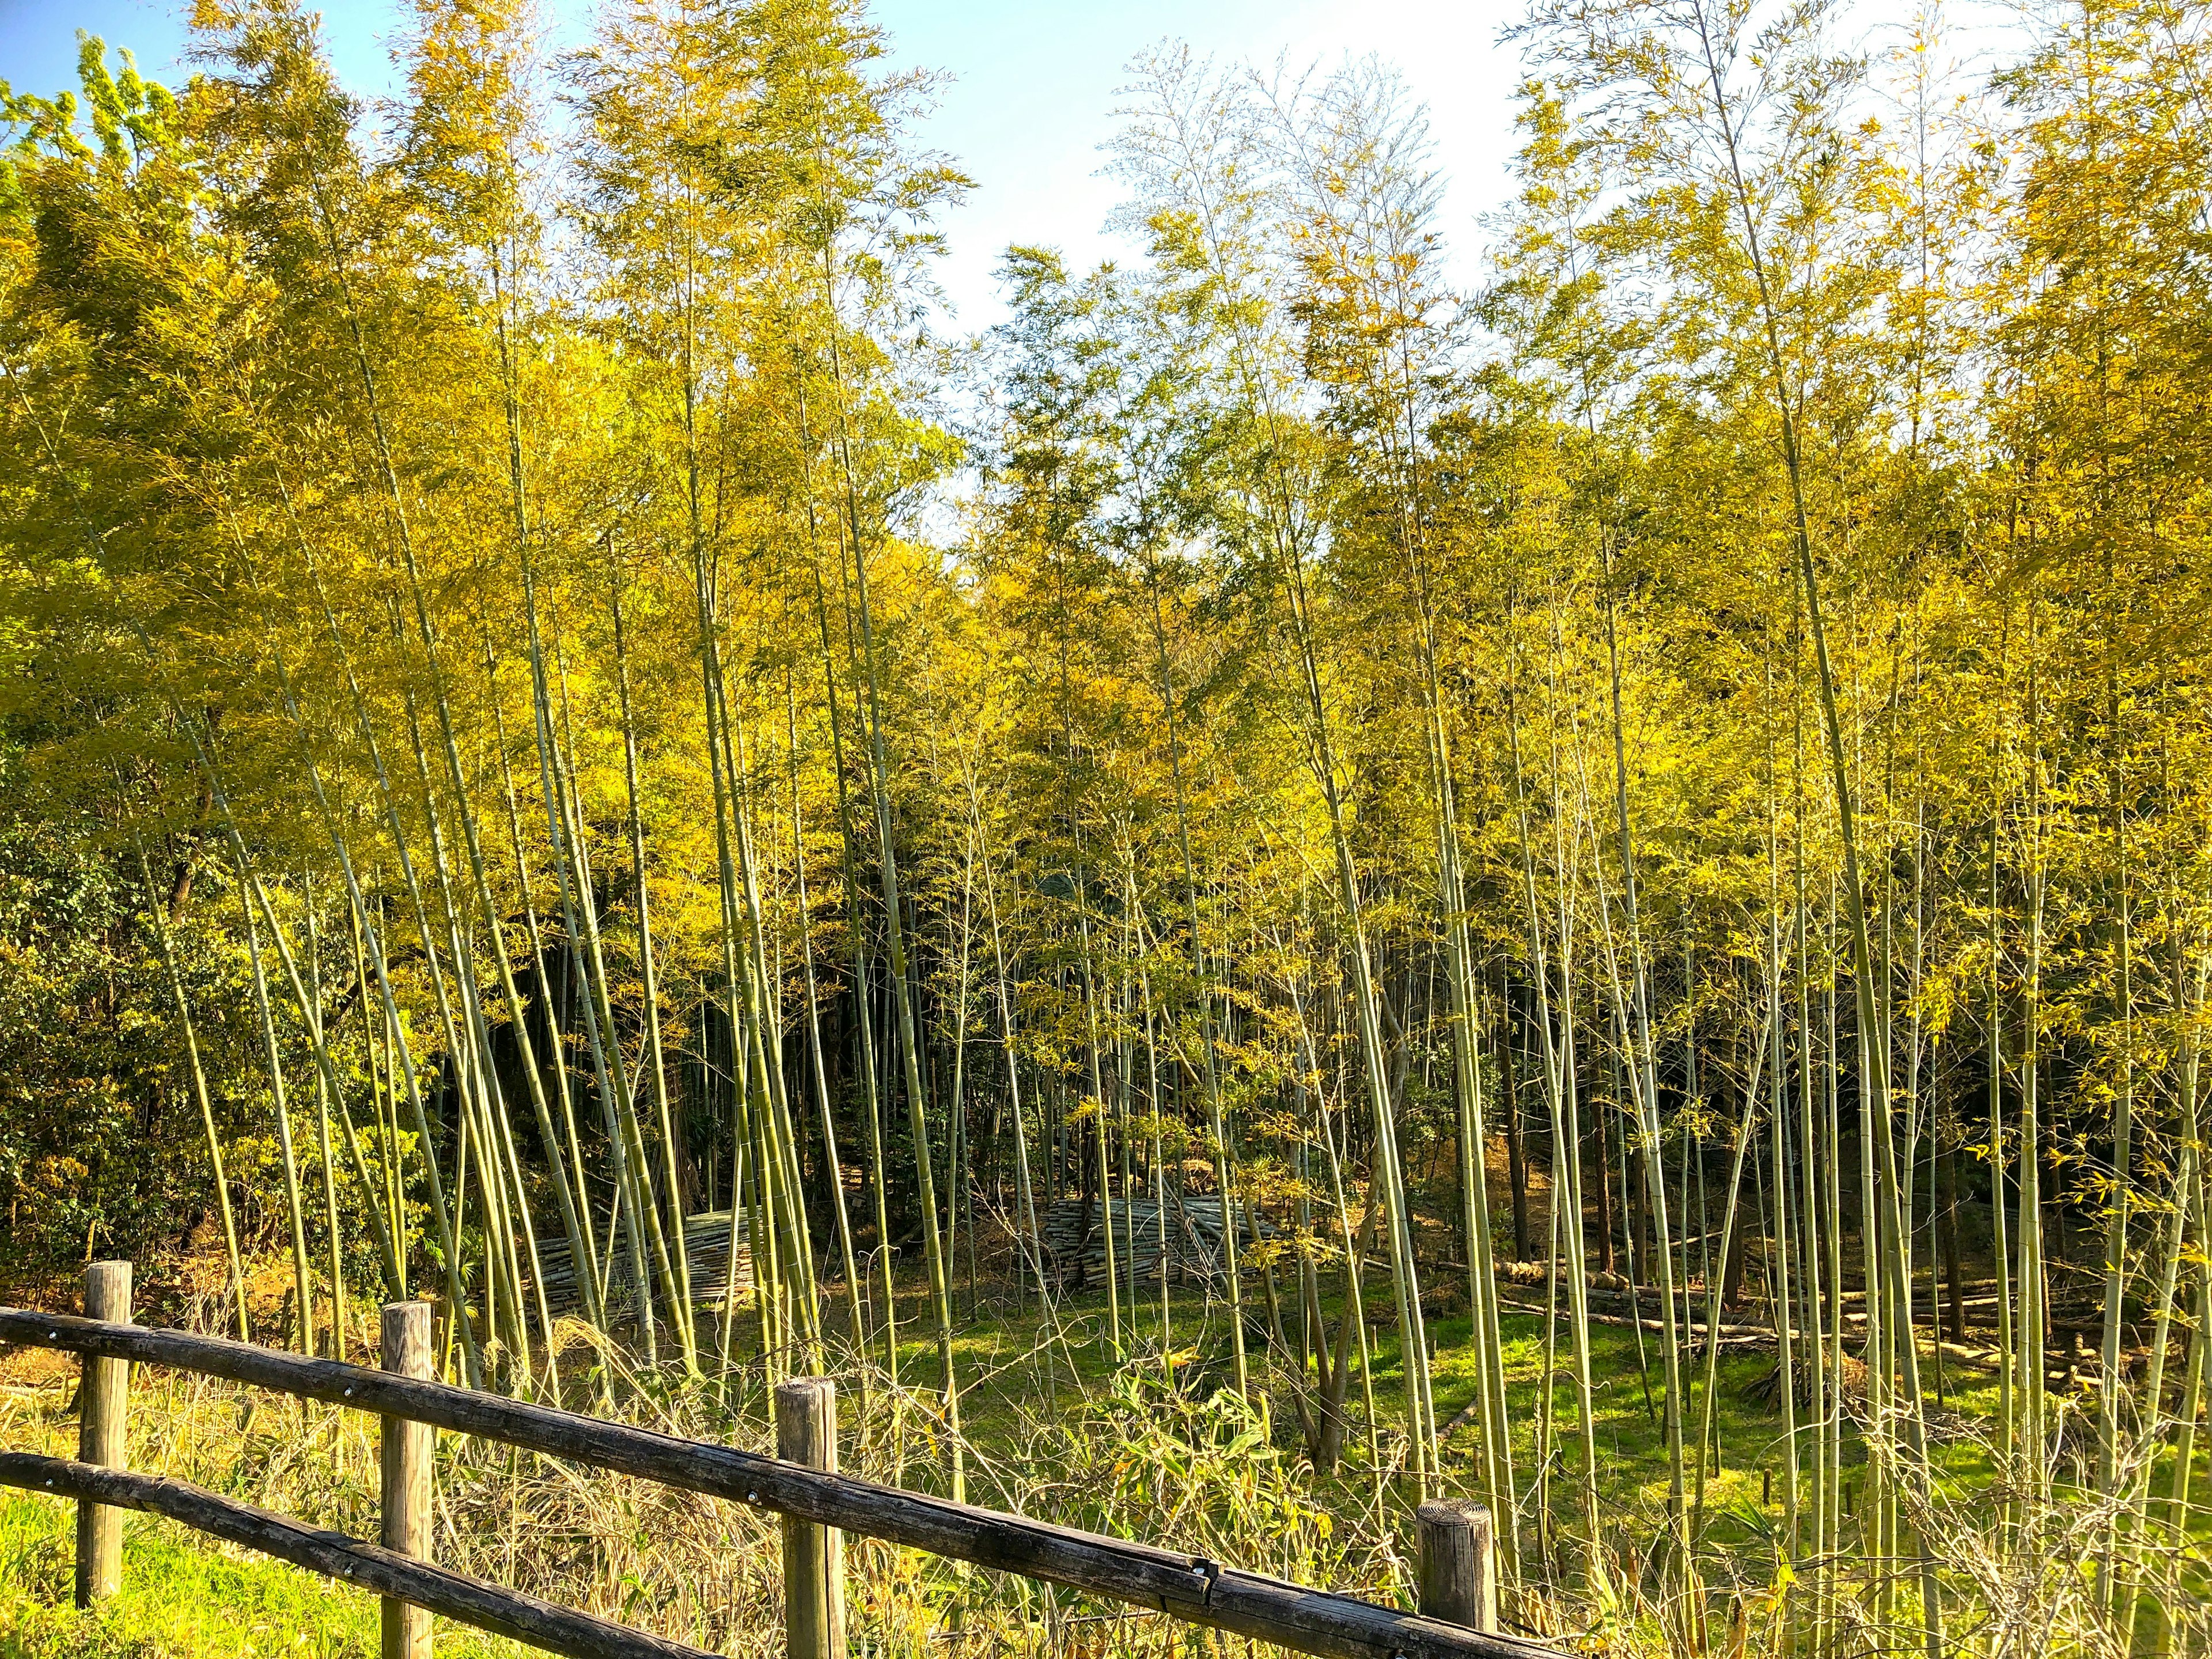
[1755,1335]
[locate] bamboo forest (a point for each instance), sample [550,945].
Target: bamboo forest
[1561,859]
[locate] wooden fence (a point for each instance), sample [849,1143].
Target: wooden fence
[1458,1594]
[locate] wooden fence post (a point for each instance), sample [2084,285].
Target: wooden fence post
[408,1449]
[1458,1563]
[103,1404]
[813,1556]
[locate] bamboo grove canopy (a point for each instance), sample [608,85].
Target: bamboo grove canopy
[549,693]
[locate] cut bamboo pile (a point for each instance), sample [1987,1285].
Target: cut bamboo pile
[706,1242]
[1074,1236]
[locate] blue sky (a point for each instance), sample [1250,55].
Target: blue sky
[1030,98]
[1032,94]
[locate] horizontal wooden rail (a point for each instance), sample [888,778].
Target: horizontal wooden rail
[455,1594]
[1186,1587]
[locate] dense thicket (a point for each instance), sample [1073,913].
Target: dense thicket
[543,691]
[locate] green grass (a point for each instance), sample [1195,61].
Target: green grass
[1004,1372]
[187,1595]
[183,1595]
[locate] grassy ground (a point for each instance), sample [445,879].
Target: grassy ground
[1056,1424]
[1009,1374]
[183,1595]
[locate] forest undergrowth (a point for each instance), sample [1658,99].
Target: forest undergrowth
[1151,1449]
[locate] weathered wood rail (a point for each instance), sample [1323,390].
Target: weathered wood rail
[817,1504]
[415,1582]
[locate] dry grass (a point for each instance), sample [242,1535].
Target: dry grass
[1146,1450]
[1145,1461]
